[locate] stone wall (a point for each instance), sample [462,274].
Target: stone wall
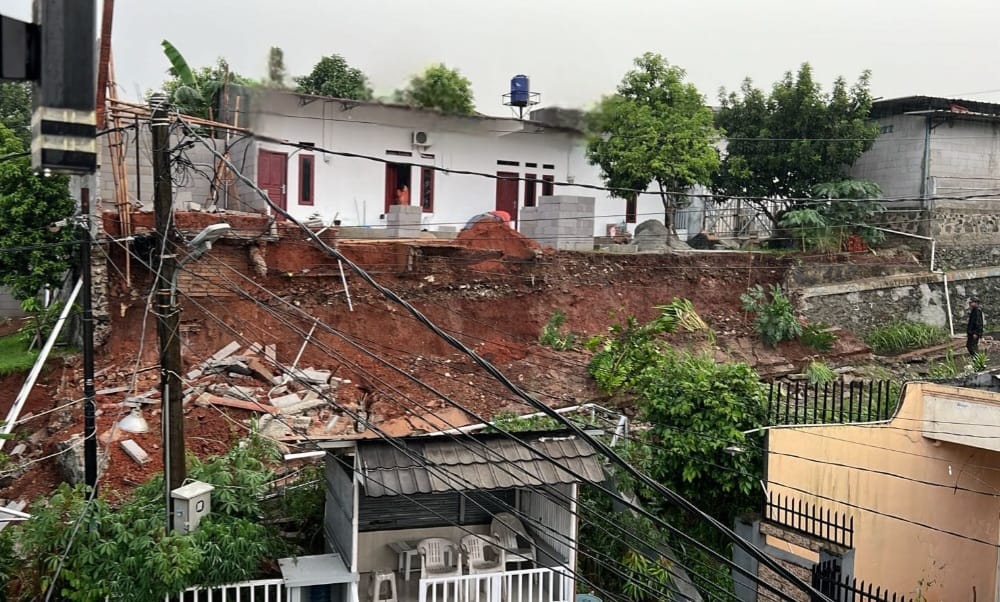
[864,304]
[561,221]
[967,232]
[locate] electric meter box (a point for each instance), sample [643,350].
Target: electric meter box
[192,502]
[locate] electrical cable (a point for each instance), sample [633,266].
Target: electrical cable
[302,332]
[239,335]
[670,495]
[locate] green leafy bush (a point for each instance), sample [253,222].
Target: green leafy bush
[903,335]
[775,320]
[979,361]
[946,368]
[552,335]
[122,552]
[818,336]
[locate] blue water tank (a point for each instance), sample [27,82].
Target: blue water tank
[520,91]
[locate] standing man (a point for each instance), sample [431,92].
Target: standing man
[974,330]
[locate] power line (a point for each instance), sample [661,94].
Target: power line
[621,462]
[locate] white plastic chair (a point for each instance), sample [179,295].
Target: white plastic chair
[519,547]
[439,557]
[483,554]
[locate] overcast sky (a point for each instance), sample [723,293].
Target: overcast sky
[574,50]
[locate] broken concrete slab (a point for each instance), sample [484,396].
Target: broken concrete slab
[271,353]
[70,459]
[18,449]
[252,349]
[111,391]
[302,422]
[286,400]
[207,399]
[302,406]
[260,370]
[242,392]
[196,373]
[311,376]
[226,351]
[134,451]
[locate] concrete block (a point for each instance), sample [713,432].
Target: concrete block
[132,449]
[226,351]
[302,406]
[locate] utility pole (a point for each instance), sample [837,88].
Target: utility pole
[89,420]
[168,316]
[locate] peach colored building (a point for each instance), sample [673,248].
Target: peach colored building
[910,506]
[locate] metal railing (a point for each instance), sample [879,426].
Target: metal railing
[260,590]
[530,585]
[809,519]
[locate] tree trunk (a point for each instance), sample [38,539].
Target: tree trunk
[669,209]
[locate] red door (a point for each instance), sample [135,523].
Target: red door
[272,176]
[507,188]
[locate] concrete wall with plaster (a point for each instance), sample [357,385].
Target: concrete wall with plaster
[895,160]
[887,478]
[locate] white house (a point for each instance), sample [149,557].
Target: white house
[401,145]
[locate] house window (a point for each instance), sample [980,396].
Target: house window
[427,189]
[548,188]
[631,210]
[530,192]
[887,129]
[307,179]
[508,163]
[548,166]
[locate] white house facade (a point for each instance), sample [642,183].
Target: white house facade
[425,151]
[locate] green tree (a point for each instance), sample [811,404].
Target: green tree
[198,92]
[276,72]
[695,412]
[781,144]
[31,254]
[332,76]
[655,129]
[15,109]
[441,88]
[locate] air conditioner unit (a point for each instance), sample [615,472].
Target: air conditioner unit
[422,139]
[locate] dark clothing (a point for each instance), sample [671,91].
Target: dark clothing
[974,330]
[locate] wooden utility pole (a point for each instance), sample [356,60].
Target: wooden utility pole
[168,316]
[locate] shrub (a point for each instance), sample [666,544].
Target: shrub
[818,337]
[552,335]
[980,361]
[775,317]
[903,335]
[820,374]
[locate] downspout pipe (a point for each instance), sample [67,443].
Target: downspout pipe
[22,397]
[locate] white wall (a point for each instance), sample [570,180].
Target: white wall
[355,188]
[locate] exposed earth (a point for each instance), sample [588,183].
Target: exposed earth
[491,288]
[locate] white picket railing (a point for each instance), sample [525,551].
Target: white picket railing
[530,585]
[260,590]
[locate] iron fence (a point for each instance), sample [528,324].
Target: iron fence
[838,402]
[829,580]
[810,519]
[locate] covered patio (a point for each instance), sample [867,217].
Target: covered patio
[478,518]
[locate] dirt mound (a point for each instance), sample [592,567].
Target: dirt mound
[496,235]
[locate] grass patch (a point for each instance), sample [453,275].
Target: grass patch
[14,354]
[901,336]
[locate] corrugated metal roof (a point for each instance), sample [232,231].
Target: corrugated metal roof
[481,461]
